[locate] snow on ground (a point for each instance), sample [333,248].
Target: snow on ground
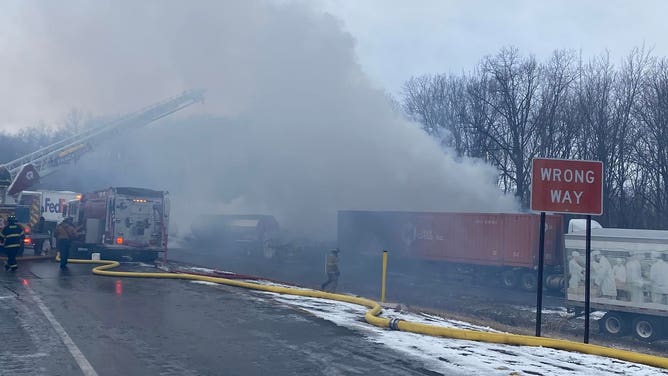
[196,269]
[145,265]
[206,283]
[454,356]
[446,355]
[561,312]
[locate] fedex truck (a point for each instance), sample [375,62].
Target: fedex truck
[51,203]
[43,203]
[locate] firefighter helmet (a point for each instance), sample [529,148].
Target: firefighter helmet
[11,219]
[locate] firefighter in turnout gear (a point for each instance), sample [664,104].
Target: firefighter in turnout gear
[12,235]
[65,233]
[332,269]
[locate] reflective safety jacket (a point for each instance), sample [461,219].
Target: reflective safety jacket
[12,235]
[65,231]
[332,263]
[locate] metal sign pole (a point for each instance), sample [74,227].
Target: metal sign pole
[384,277]
[539,287]
[587,278]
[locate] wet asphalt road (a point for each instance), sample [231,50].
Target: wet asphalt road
[418,285]
[427,287]
[74,323]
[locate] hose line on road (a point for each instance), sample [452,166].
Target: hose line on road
[372,316]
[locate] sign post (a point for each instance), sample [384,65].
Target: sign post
[541,263]
[565,186]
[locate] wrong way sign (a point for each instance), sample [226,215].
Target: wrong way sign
[567,186]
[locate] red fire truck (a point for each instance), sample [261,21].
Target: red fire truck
[122,221]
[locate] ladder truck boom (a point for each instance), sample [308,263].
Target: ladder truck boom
[46,160]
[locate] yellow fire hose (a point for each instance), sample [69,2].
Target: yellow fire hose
[371,317]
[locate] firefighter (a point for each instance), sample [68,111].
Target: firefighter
[39,228]
[332,269]
[65,233]
[13,235]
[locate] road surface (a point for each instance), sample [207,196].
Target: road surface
[69,323]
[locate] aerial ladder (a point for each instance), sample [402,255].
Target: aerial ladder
[25,171]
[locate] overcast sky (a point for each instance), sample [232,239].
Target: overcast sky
[286,79]
[397,39]
[393,39]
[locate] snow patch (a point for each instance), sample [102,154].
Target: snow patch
[454,356]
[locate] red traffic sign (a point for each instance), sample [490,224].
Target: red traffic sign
[567,186]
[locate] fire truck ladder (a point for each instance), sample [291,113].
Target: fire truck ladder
[49,158]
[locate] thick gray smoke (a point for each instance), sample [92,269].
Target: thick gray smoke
[290,126]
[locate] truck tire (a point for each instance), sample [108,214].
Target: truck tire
[646,328]
[148,257]
[528,281]
[509,278]
[614,323]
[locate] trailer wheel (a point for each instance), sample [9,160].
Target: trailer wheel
[268,252]
[148,257]
[509,279]
[614,323]
[646,328]
[528,281]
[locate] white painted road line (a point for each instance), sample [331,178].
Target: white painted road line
[78,356]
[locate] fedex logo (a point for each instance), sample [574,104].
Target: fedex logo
[53,207]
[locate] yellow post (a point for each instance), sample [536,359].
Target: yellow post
[382,290]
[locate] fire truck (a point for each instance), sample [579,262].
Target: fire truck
[26,171]
[121,222]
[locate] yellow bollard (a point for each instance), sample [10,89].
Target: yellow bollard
[382,289]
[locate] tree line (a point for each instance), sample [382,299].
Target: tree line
[512,108]
[14,145]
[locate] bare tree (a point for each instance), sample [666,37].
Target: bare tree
[627,89]
[555,130]
[513,88]
[423,102]
[652,147]
[594,114]
[511,109]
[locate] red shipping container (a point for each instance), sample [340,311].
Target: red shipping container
[491,239]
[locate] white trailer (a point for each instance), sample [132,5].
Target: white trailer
[48,204]
[51,202]
[629,279]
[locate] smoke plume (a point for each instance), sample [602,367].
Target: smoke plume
[290,125]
